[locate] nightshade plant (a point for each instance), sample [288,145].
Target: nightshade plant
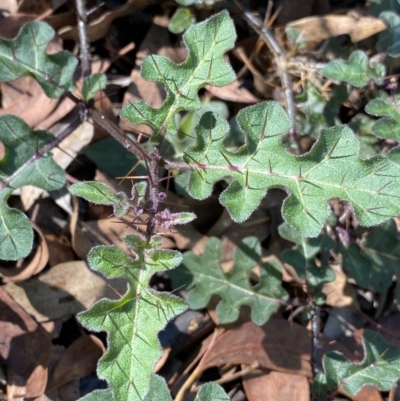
[331,169]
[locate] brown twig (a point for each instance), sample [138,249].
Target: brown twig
[83,38]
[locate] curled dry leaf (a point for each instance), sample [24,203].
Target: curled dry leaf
[233,93]
[65,289]
[318,28]
[278,345]
[99,27]
[26,268]
[79,360]
[25,348]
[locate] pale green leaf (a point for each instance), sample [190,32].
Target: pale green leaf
[357,71]
[181,20]
[380,368]
[26,55]
[101,194]
[206,42]
[132,322]
[158,390]
[204,277]
[93,84]
[98,395]
[388,108]
[21,143]
[332,169]
[211,392]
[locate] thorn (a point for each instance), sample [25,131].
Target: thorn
[384,186]
[341,182]
[333,149]
[158,70]
[270,167]
[300,177]
[232,167]
[247,179]
[199,165]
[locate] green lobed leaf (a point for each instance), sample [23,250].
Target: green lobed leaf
[101,194]
[389,39]
[302,259]
[357,71]
[26,55]
[158,390]
[205,278]
[21,143]
[98,395]
[376,260]
[181,20]
[380,368]
[132,322]
[332,169]
[206,42]
[388,126]
[93,84]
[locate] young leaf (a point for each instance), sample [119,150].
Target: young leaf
[21,143]
[357,71]
[26,55]
[332,169]
[204,277]
[132,322]
[389,39]
[387,127]
[182,19]
[206,42]
[158,390]
[380,368]
[100,194]
[377,260]
[93,84]
[302,259]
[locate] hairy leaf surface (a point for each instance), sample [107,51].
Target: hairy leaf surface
[380,368]
[132,322]
[357,71]
[21,143]
[26,55]
[204,277]
[206,42]
[101,194]
[332,169]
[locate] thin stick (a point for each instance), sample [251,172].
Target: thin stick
[280,60]
[83,39]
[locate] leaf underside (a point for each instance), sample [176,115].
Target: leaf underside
[332,169]
[205,278]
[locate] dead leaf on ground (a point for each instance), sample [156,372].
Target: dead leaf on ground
[340,293]
[25,348]
[26,268]
[79,360]
[367,393]
[317,29]
[98,28]
[272,386]
[65,289]
[278,345]
[233,93]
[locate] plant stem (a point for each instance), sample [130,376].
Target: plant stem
[280,60]
[41,152]
[83,39]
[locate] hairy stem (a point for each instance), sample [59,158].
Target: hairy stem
[83,38]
